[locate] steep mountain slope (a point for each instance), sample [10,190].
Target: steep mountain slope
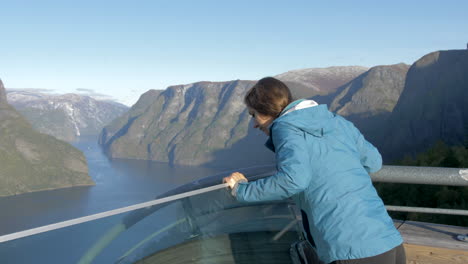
[433,105]
[369,99]
[31,161]
[206,122]
[306,83]
[119,126]
[184,124]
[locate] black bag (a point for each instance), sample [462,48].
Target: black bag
[302,252]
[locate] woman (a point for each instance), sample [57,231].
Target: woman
[323,163]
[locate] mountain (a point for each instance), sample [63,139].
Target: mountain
[205,122]
[119,126]
[31,161]
[67,116]
[3,99]
[306,83]
[369,99]
[433,106]
[184,124]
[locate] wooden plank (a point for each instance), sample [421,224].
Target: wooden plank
[416,254]
[433,235]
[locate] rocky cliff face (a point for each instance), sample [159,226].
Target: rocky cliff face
[400,109]
[206,122]
[67,116]
[31,161]
[3,100]
[433,105]
[120,125]
[369,99]
[184,124]
[306,83]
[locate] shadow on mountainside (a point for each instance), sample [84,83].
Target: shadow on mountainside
[373,129]
[247,152]
[433,106]
[250,151]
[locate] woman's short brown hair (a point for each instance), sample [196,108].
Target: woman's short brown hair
[269,97]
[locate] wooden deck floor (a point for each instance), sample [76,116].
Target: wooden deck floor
[427,243]
[434,235]
[424,244]
[416,254]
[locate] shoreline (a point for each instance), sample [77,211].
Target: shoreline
[48,189]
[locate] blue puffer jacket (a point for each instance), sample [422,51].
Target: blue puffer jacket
[323,163]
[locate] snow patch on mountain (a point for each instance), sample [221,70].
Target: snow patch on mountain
[66,116]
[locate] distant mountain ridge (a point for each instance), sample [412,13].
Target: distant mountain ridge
[311,82]
[194,124]
[369,99]
[31,161]
[183,124]
[377,90]
[66,116]
[381,101]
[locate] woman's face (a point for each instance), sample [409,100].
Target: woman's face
[261,122]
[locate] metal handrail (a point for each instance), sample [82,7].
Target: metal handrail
[426,210]
[422,175]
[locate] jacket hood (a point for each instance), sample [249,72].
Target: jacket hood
[305,115]
[309,117]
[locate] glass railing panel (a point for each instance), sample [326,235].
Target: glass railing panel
[165,227]
[243,233]
[65,245]
[214,223]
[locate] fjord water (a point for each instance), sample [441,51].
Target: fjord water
[119,183]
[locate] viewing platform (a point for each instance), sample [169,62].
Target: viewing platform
[424,243]
[433,243]
[202,223]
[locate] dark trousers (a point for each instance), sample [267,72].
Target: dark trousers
[394,256]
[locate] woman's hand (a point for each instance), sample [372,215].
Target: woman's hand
[234,178]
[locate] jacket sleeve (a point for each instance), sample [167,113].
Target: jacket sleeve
[370,157]
[293,169]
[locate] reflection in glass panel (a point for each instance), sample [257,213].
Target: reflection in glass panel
[214,227]
[210,228]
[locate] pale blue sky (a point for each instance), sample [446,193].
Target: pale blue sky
[124,48]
